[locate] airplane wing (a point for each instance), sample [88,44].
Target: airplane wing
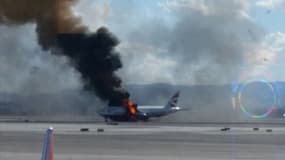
[47,153]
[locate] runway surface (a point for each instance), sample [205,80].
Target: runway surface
[142,141]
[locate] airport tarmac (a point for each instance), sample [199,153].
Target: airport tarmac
[143,141]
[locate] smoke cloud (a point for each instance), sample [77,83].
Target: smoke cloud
[209,40]
[60,31]
[191,41]
[50,16]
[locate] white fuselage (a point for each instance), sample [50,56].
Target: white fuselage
[157,111]
[122,113]
[149,111]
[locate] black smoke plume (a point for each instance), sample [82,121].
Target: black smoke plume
[94,57]
[92,54]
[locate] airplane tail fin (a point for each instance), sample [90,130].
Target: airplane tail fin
[173,100]
[47,153]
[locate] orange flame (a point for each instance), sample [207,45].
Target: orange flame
[131,106]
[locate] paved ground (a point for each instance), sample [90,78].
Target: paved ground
[23,141]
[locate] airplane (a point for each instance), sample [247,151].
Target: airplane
[47,153]
[131,112]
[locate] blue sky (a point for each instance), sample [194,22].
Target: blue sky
[271,19]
